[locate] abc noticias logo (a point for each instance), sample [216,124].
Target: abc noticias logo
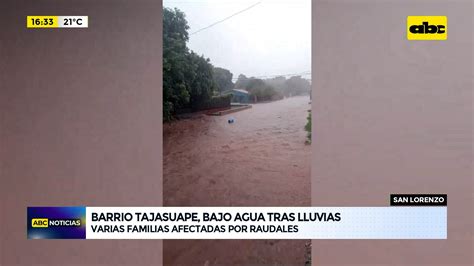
[427,28]
[56,222]
[45,222]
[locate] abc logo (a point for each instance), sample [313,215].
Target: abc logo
[39,222]
[427,28]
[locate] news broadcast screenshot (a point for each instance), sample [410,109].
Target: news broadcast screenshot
[236,132]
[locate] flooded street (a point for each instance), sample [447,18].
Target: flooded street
[259,160]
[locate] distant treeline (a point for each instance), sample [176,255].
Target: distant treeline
[262,89]
[191,82]
[274,88]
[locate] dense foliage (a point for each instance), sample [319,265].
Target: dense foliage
[297,85]
[261,91]
[279,83]
[223,79]
[274,88]
[293,86]
[221,101]
[241,82]
[307,127]
[187,77]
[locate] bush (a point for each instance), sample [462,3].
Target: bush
[308,127]
[222,101]
[167,111]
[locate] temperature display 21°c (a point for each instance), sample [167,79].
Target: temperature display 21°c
[57,21]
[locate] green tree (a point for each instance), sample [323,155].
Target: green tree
[223,79]
[202,85]
[187,77]
[297,85]
[242,82]
[262,91]
[175,36]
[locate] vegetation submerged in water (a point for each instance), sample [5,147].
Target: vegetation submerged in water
[307,254]
[307,127]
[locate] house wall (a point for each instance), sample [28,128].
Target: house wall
[392,116]
[80,124]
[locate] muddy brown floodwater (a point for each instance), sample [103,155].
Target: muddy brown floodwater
[259,160]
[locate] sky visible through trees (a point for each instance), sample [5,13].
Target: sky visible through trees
[271,38]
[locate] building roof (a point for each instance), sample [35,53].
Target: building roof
[242,91]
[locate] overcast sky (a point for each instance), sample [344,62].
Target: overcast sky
[274,37]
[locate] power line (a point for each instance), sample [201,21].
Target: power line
[224,19]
